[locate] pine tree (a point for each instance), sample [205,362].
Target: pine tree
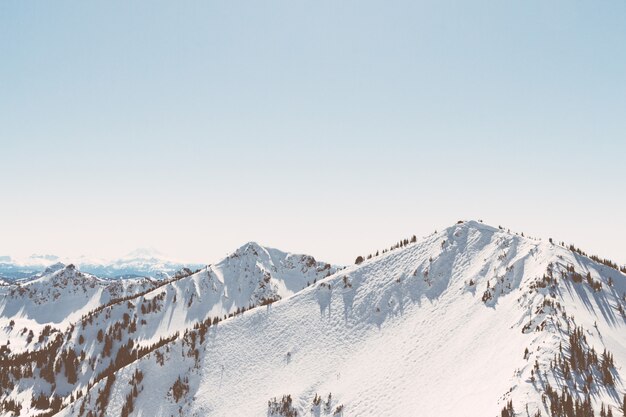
[328,405]
[508,411]
[70,364]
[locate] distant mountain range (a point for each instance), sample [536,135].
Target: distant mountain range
[139,263]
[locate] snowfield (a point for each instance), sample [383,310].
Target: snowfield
[469,321]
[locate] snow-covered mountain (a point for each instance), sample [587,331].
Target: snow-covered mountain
[471,321]
[54,300]
[138,263]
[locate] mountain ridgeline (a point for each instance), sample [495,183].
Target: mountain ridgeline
[472,320]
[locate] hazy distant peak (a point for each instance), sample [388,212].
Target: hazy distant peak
[144,253]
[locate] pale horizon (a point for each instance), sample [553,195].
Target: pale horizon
[168,256]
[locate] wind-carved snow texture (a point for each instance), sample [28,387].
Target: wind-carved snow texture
[470,321]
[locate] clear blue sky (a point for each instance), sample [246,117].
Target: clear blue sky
[327,127]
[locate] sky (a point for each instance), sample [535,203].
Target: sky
[332,128]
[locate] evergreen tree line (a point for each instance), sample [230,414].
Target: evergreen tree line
[281,408]
[578,278]
[563,405]
[401,243]
[595,258]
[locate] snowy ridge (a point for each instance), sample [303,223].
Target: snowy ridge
[470,321]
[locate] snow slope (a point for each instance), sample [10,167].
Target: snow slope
[459,323]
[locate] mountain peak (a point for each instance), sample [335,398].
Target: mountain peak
[252,248]
[144,253]
[474,224]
